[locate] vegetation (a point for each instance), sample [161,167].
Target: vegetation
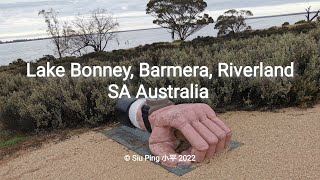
[301,22]
[37,104]
[183,18]
[73,38]
[94,32]
[59,33]
[294,29]
[45,104]
[233,22]
[8,139]
[285,24]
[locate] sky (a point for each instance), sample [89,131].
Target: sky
[19,18]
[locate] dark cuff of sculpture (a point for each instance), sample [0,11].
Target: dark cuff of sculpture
[145,116]
[127,109]
[122,111]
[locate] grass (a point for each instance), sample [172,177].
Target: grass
[9,139]
[12,142]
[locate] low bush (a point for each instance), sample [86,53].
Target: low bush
[36,104]
[301,22]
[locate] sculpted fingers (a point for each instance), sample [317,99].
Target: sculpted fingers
[200,146]
[220,134]
[226,129]
[207,135]
[212,116]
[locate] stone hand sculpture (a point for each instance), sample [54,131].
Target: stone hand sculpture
[170,124]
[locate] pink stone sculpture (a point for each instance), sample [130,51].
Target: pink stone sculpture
[171,124]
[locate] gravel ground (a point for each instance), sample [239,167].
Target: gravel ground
[277,145]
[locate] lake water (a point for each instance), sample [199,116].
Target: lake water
[32,50]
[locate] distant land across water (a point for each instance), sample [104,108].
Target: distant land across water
[33,49]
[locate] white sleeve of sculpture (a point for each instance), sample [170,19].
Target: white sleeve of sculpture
[134,108]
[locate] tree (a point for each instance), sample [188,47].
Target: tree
[286,24]
[182,17]
[309,12]
[59,33]
[233,22]
[95,31]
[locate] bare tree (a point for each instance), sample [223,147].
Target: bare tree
[95,31]
[309,12]
[59,33]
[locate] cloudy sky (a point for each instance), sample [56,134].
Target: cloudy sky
[19,18]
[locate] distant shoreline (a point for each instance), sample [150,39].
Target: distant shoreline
[259,17]
[39,39]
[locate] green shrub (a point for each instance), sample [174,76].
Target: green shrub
[285,24]
[301,22]
[30,104]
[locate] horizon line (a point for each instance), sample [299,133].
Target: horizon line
[144,29]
